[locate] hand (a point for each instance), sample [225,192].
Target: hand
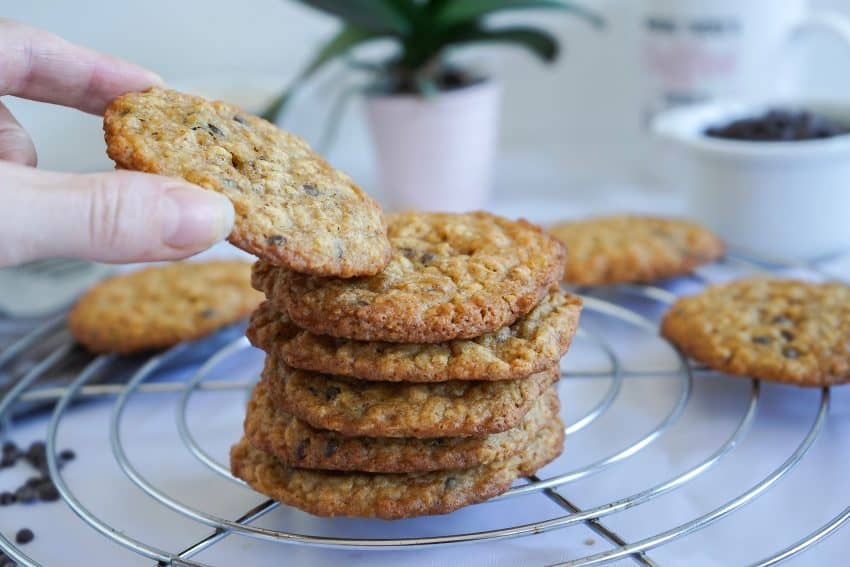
[119,216]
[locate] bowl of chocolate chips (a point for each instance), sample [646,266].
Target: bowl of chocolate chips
[772,178]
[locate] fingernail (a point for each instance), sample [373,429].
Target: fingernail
[195,218]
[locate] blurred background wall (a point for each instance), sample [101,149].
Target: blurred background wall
[575,120]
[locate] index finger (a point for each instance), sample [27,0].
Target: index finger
[40,66]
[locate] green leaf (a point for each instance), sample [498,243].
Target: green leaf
[540,43]
[383,16]
[345,40]
[459,12]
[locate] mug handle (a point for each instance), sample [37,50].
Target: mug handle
[825,20]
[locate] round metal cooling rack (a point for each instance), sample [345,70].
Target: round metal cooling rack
[139,385]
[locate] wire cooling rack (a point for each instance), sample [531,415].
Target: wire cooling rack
[627,308]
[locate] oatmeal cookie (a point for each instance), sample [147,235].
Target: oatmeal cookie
[628,248]
[357,408]
[534,342]
[451,276]
[292,207]
[780,330]
[160,306]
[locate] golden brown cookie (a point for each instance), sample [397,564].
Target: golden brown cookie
[534,342]
[357,408]
[292,208]
[391,496]
[298,444]
[161,306]
[452,276]
[627,248]
[779,330]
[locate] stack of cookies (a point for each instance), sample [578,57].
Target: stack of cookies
[416,391]
[410,366]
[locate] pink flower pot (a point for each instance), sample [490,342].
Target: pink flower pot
[436,154]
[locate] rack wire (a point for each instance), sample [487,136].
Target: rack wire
[140,384]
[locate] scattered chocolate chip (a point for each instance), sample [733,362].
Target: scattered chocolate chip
[301,450]
[427,257]
[780,319]
[36,454]
[332,392]
[314,390]
[790,352]
[7,461]
[409,253]
[331,448]
[310,190]
[214,130]
[24,536]
[9,448]
[34,481]
[240,119]
[787,335]
[451,482]
[67,455]
[7,498]
[26,495]
[762,340]
[47,492]
[275,240]
[207,313]
[361,303]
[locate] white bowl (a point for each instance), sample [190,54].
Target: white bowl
[775,199]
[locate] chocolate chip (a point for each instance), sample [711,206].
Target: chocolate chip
[435,442]
[214,130]
[427,257]
[9,448]
[310,190]
[26,495]
[47,492]
[331,447]
[332,392]
[24,536]
[451,482]
[7,461]
[275,240]
[762,340]
[314,390]
[37,453]
[361,303]
[7,498]
[34,481]
[409,253]
[790,352]
[787,335]
[780,319]
[240,119]
[207,313]
[67,455]
[301,450]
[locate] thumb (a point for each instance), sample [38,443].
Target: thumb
[120,216]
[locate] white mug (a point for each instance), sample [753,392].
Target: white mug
[697,50]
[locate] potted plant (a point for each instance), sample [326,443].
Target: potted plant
[434,122]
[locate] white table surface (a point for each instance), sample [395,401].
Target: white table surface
[811,494]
